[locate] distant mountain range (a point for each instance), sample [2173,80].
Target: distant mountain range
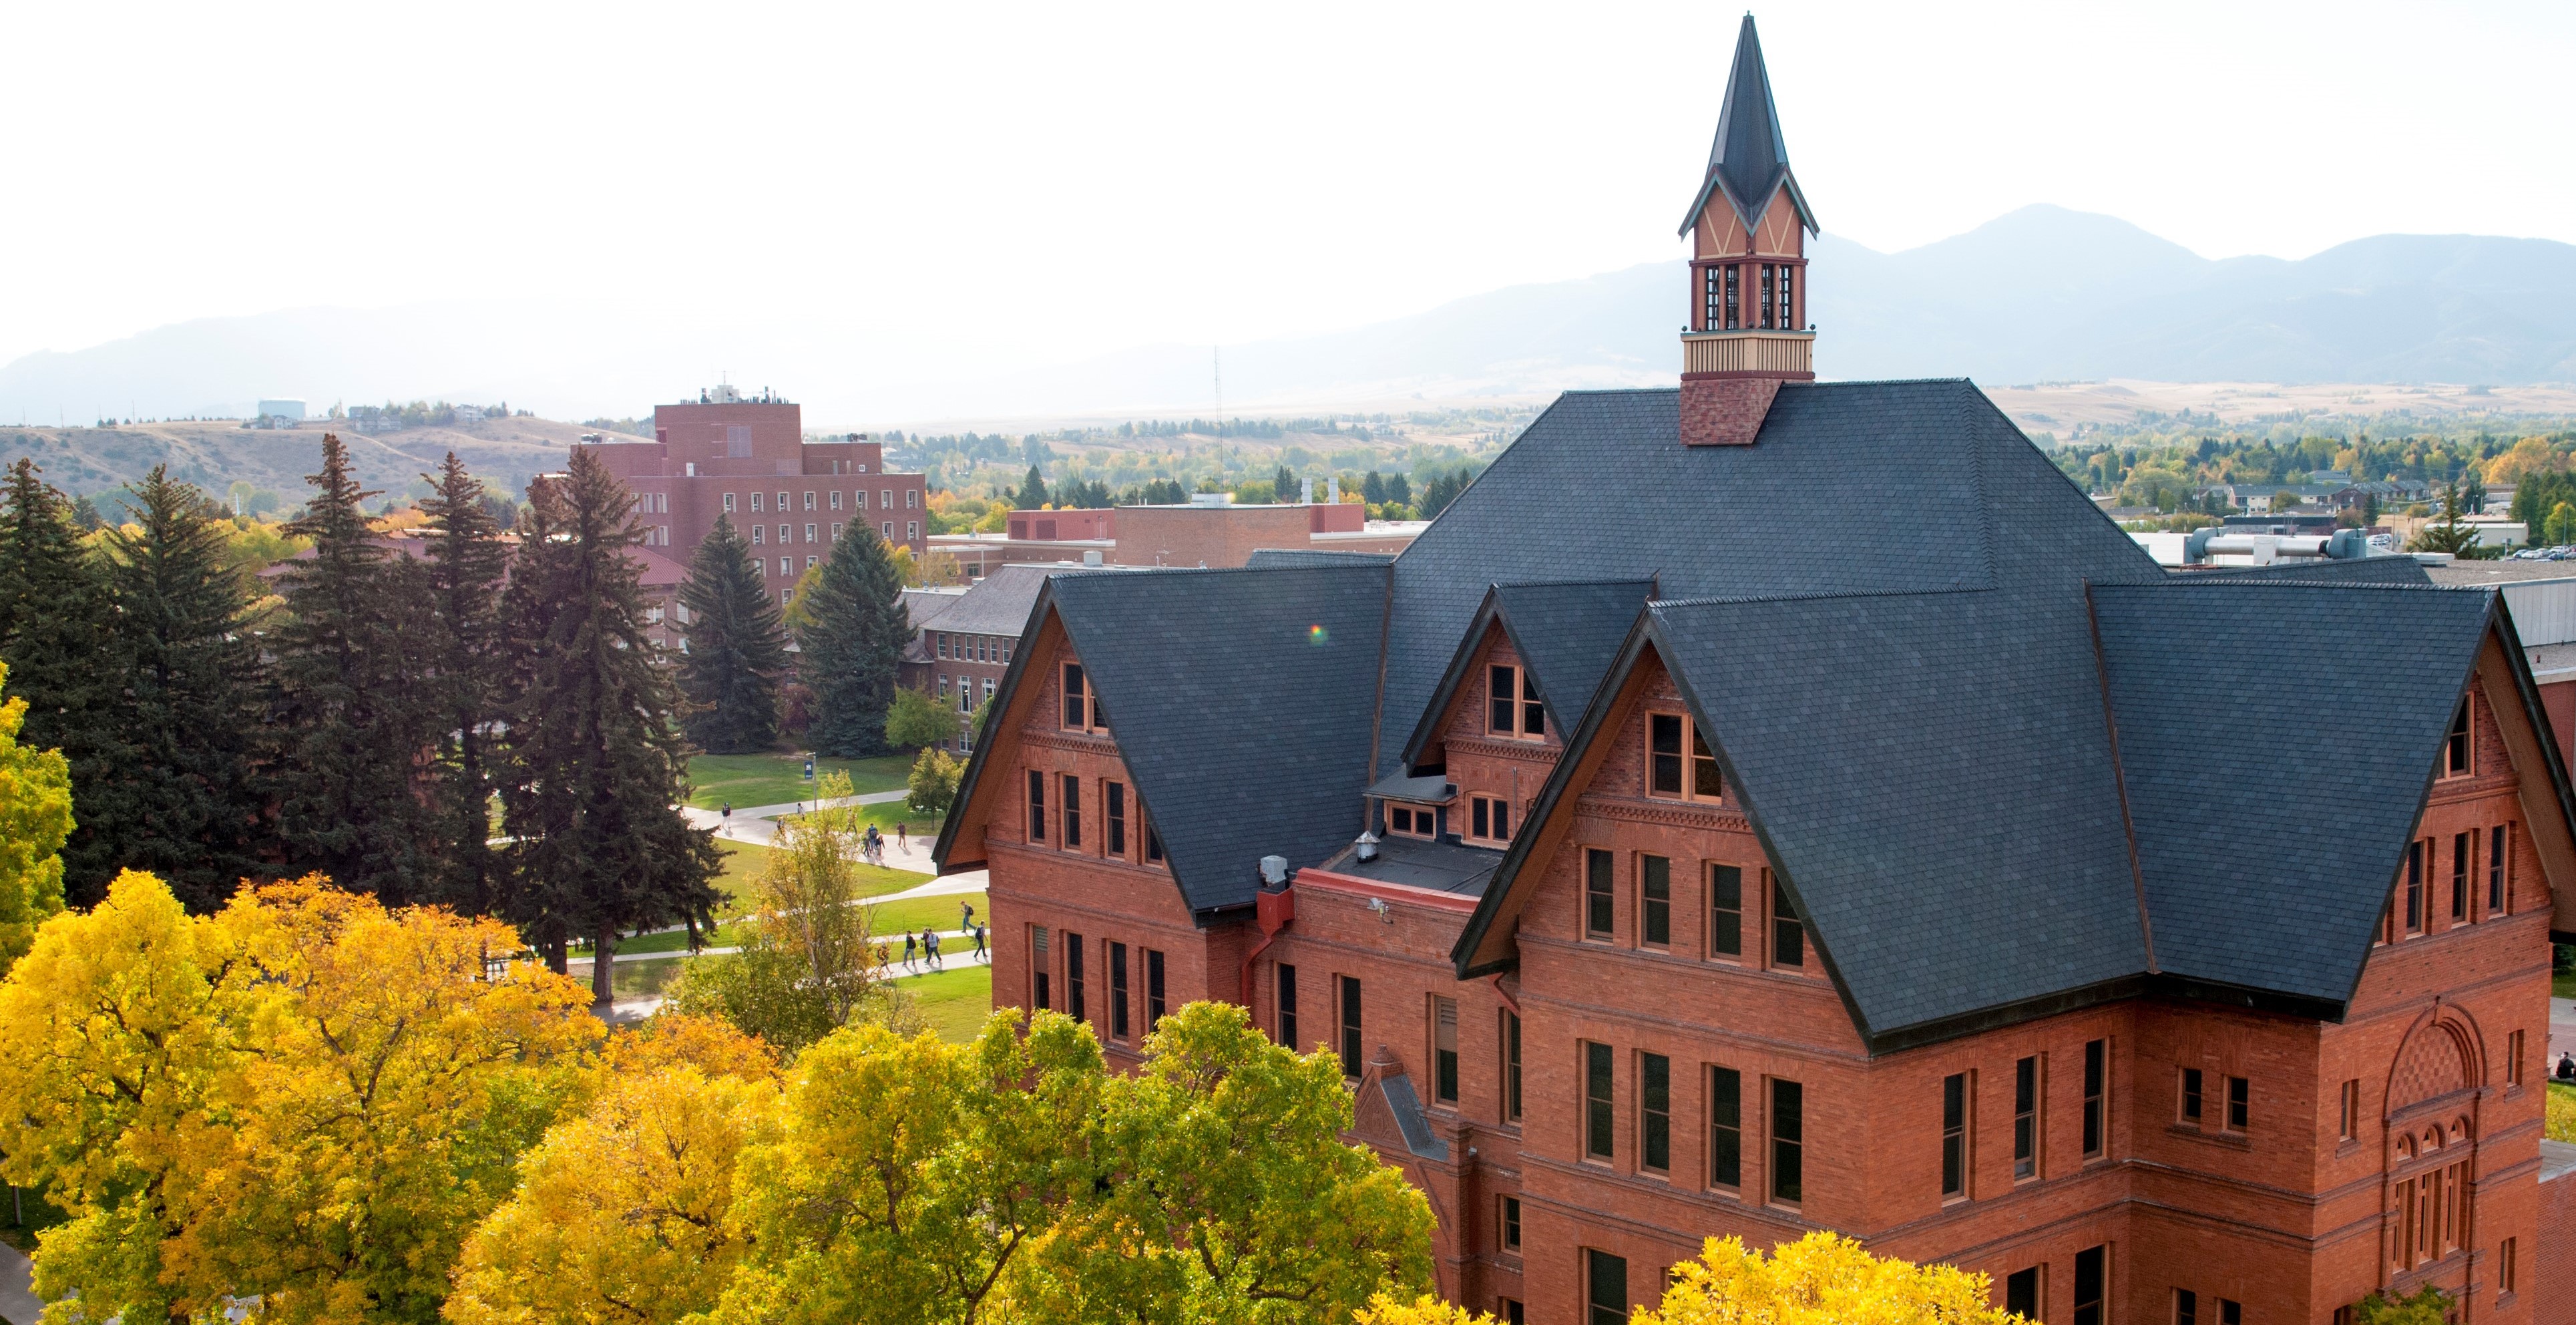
[2041,294]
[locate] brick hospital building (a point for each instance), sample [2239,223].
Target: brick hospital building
[2173,948]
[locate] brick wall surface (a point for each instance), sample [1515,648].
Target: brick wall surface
[1725,411]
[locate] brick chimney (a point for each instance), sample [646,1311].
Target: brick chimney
[1748,329]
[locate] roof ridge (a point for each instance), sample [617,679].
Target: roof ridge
[1729,600]
[2188,581]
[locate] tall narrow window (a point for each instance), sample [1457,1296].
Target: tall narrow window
[2414,887]
[1039,966]
[1511,1223]
[1788,936]
[2455,751]
[1153,844]
[2186,1307]
[1072,810]
[1037,806]
[2459,878]
[2088,1286]
[2191,1094]
[1788,1141]
[1713,300]
[1502,700]
[1118,991]
[1725,1128]
[2513,1058]
[1770,316]
[2239,1103]
[1114,808]
[1490,818]
[2026,1117]
[1788,297]
[1734,296]
[1596,894]
[1706,782]
[1350,1039]
[1655,1112]
[2021,1293]
[2495,870]
[2230,1311]
[1655,901]
[1444,1050]
[2348,1110]
[1605,1288]
[1725,911]
[1664,754]
[1511,1066]
[2507,1272]
[1596,1100]
[1533,709]
[1954,1135]
[2097,1067]
[1288,1006]
[1073,990]
[1153,988]
[1077,699]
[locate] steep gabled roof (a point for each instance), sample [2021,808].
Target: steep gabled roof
[1750,159]
[1568,633]
[1242,701]
[2277,741]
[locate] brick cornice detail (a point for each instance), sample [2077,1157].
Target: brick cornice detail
[1070,741]
[1533,752]
[1681,814]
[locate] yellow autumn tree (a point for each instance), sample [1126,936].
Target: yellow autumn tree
[304,1097]
[35,817]
[2531,455]
[1820,1279]
[622,1216]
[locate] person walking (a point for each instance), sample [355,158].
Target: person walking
[881,956]
[2566,1067]
[930,944]
[966,915]
[728,811]
[903,838]
[980,954]
[908,942]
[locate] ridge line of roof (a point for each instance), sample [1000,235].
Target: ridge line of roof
[1730,600]
[2234,582]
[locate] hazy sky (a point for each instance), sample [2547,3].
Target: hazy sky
[1074,178]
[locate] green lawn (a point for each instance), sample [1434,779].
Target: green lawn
[955,1001]
[915,914]
[40,1213]
[2562,984]
[778,779]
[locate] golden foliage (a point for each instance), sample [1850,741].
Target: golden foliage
[35,817]
[2531,455]
[1820,1279]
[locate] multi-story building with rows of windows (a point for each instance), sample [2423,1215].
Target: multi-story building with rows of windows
[746,459]
[2174,948]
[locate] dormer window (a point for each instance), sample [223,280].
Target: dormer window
[2455,749]
[1082,709]
[1679,763]
[1489,820]
[1411,821]
[1512,706]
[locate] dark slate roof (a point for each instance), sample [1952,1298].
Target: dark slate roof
[1750,159]
[2278,891]
[1567,632]
[1241,701]
[2357,570]
[1418,863]
[1272,558]
[999,603]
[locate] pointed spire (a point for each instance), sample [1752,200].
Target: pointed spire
[1750,159]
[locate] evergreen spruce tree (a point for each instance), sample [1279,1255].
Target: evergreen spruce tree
[349,705]
[737,647]
[1373,488]
[182,795]
[1032,493]
[849,641]
[1399,489]
[598,766]
[1283,486]
[56,634]
[467,564]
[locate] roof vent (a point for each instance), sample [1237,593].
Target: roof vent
[1274,870]
[1091,557]
[1365,847]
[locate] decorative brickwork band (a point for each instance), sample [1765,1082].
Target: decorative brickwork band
[1725,411]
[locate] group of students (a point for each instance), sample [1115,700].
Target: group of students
[924,946]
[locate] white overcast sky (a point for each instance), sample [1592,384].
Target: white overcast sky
[1094,176]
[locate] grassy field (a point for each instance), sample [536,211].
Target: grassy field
[779,779]
[2562,984]
[954,1001]
[912,915]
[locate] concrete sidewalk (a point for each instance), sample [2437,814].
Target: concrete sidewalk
[18,1302]
[757,825]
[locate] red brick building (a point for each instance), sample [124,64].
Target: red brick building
[2174,950]
[747,459]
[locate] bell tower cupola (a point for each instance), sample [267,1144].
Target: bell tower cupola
[1747,330]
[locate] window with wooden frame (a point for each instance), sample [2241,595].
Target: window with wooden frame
[1039,967]
[1597,907]
[1654,901]
[1349,1040]
[1083,711]
[2239,1103]
[1788,930]
[2230,1311]
[2097,1100]
[2508,1272]
[2348,1110]
[1411,820]
[1954,1137]
[1511,1066]
[2026,1118]
[2190,1111]
[1725,1128]
[2497,855]
[1288,1006]
[1512,706]
[1444,1050]
[1605,1288]
[1154,1006]
[2456,749]
[1596,1100]
[1511,1223]
[1118,991]
[2513,1059]
[2090,1266]
[1113,810]
[1788,1141]
[1037,806]
[2186,1307]
[1153,840]
[1489,820]
[1654,1113]
[1679,763]
[2415,887]
[1073,984]
[1725,912]
[2460,878]
[1071,813]
[2021,1293]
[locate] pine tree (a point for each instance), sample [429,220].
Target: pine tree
[56,634]
[1373,488]
[737,647]
[597,761]
[849,643]
[181,795]
[347,700]
[1399,489]
[1283,486]
[1032,493]
[467,565]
